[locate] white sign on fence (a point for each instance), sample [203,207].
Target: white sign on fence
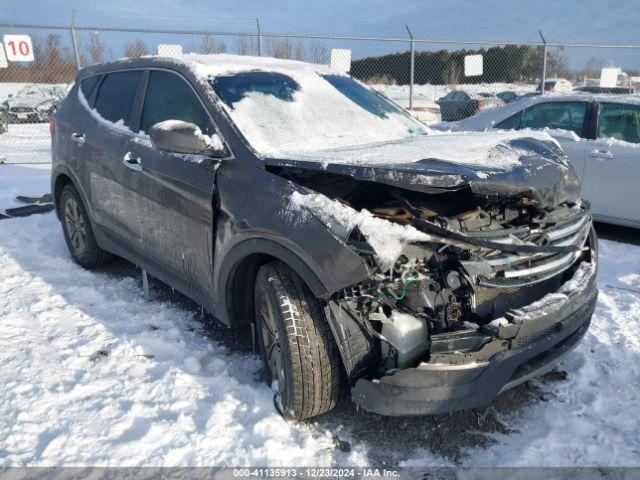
[341,59]
[169,50]
[3,58]
[19,48]
[472,65]
[609,77]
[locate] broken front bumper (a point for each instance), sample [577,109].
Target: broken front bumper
[536,338]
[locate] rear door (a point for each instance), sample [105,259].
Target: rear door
[612,169]
[174,191]
[104,136]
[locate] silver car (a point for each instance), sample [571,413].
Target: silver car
[599,133]
[33,103]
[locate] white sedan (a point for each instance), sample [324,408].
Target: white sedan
[599,133]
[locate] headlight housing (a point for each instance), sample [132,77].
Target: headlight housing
[44,106]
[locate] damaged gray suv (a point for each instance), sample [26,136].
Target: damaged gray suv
[421,272]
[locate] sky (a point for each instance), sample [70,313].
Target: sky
[570,21]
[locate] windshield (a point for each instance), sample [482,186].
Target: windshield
[305,111]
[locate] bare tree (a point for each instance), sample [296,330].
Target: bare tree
[96,49]
[298,53]
[280,48]
[245,46]
[558,64]
[318,53]
[136,49]
[451,74]
[209,45]
[592,69]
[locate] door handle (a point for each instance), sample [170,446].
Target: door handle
[604,154]
[78,138]
[131,162]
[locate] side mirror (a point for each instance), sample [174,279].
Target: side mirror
[182,137]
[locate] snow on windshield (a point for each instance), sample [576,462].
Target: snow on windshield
[304,110]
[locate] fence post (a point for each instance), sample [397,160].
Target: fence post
[544,62]
[412,64]
[259,37]
[74,40]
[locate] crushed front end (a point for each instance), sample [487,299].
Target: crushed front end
[505,289]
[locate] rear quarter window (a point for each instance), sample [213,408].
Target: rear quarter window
[116,95]
[87,85]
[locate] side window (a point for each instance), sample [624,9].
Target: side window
[562,115]
[169,97]
[621,122]
[511,123]
[88,84]
[116,95]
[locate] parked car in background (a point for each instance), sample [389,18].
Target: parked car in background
[4,122]
[424,109]
[598,89]
[557,85]
[367,254]
[459,104]
[599,133]
[508,97]
[33,103]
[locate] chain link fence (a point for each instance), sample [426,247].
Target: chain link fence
[415,73]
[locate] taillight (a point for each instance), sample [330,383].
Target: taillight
[52,127]
[481,104]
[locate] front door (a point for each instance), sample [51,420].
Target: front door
[612,164]
[175,191]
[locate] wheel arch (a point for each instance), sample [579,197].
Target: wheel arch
[237,275]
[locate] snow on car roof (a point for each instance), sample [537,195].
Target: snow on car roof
[212,65]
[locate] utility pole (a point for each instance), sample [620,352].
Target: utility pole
[412,64]
[544,62]
[74,40]
[259,37]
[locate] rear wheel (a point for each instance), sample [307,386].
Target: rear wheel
[77,231]
[300,356]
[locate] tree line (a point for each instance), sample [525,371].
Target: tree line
[55,62]
[510,63]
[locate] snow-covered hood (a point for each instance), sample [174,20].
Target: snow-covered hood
[490,163]
[28,102]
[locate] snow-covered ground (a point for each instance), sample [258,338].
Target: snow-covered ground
[93,375]
[26,143]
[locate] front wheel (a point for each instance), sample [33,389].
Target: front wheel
[299,353]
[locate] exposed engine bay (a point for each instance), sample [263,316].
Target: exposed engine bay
[494,254]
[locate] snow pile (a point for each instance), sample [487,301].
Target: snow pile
[475,149]
[386,238]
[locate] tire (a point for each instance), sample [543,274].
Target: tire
[77,231]
[302,363]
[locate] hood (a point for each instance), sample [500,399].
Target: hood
[491,164]
[31,101]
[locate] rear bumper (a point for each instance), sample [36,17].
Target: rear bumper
[539,336]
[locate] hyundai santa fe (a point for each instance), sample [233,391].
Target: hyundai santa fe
[420,272]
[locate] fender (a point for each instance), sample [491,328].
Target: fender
[226,273]
[64,170]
